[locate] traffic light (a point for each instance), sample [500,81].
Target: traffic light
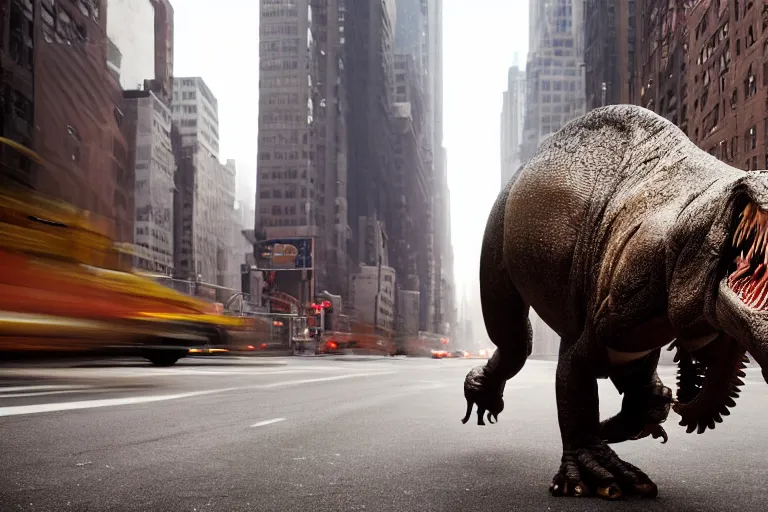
[324,308]
[328,312]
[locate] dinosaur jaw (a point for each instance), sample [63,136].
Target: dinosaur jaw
[747,325]
[747,274]
[709,378]
[742,300]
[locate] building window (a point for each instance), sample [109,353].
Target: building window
[751,139]
[750,84]
[22,34]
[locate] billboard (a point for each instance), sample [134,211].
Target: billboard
[285,254]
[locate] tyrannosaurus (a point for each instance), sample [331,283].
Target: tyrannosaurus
[624,236]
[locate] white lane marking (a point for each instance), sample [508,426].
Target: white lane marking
[267,422]
[14,389]
[322,379]
[117,372]
[63,392]
[89,404]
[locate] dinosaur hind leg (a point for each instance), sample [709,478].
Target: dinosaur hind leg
[506,320]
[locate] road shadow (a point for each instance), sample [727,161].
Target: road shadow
[519,480]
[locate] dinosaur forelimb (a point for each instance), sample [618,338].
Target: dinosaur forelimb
[646,404]
[484,391]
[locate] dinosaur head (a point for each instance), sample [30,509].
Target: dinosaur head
[741,305]
[720,266]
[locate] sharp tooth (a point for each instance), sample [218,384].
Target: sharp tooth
[763,242]
[738,235]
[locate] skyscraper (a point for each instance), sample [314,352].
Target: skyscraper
[512,119]
[205,188]
[302,147]
[555,70]
[418,35]
[609,52]
[148,119]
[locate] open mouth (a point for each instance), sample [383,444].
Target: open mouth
[748,270]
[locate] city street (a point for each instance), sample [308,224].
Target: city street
[330,434]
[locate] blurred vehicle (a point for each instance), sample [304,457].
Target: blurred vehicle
[440,354]
[425,344]
[359,342]
[66,287]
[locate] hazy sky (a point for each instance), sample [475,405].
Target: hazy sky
[479,43]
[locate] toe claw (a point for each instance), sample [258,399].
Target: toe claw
[611,492]
[490,418]
[657,431]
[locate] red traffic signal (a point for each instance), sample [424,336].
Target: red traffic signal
[326,304]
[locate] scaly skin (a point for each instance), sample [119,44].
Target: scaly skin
[618,234]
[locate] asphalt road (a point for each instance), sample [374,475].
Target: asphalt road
[330,434]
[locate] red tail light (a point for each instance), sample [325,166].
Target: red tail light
[250,347]
[263,346]
[332,345]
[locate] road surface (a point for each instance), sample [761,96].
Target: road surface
[330,434]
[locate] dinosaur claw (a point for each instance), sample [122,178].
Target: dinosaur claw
[490,418]
[612,492]
[656,431]
[470,404]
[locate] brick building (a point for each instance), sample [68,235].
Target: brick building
[702,67]
[727,77]
[661,81]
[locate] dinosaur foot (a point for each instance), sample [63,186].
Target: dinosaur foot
[598,471]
